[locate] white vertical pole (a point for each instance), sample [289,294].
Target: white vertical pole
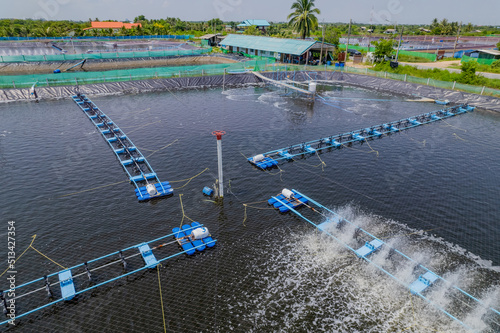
[219,156]
[219,135]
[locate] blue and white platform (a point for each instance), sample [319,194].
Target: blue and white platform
[272,158]
[287,199]
[67,284]
[187,240]
[393,260]
[139,171]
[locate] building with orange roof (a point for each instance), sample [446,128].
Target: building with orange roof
[116,26]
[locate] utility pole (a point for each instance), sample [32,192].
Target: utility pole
[322,41]
[399,44]
[456,40]
[348,36]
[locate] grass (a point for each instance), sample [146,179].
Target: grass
[407,58]
[439,74]
[488,69]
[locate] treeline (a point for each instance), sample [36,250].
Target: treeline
[176,26]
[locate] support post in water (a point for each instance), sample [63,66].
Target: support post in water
[219,135]
[47,286]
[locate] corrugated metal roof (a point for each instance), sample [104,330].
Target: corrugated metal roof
[259,23]
[208,36]
[271,44]
[493,52]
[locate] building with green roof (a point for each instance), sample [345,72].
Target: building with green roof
[288,50]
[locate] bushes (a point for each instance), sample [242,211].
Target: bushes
[468,75]
[383,48]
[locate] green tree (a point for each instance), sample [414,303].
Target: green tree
[383,48]
[215,24]
[468,75]
[303,19]
[140,18]
[332,36]
[252,30]
[498,46]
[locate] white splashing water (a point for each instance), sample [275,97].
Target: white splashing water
[306,281]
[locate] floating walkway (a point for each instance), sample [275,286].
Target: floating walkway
[85,277]
[420,283]
[272,158]
[140,173]
[283,84]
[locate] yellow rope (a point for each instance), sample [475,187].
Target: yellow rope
[314,166]
[248,205]
[244,215]
[372,150]
[8,267]
[456,135]
[182,208]
[92,189]
[477,143]
[423,142]
[183,214]
[124,181]
[188,180]
[447,123]
[323,164]
[48,258]
[259,208]
[142,126]
[155,151]
[256,202]
[161,299]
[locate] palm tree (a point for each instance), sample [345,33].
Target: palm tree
[303,19]
[434,23]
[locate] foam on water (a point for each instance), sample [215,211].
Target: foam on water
[309,282]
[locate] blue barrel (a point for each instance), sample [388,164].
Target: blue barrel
[57,70]
[208,191]
[341,64]
[329,63]
[337,65]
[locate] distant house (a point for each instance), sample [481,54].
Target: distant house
[390,31]
[211,39]
[476,31]
[260,24]
[115,26]
[369,30]
[363,28]
[228,28]
[424,30]
[489,54]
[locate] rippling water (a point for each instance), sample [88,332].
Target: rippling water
[431,192]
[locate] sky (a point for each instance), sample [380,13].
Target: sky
[484,12]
